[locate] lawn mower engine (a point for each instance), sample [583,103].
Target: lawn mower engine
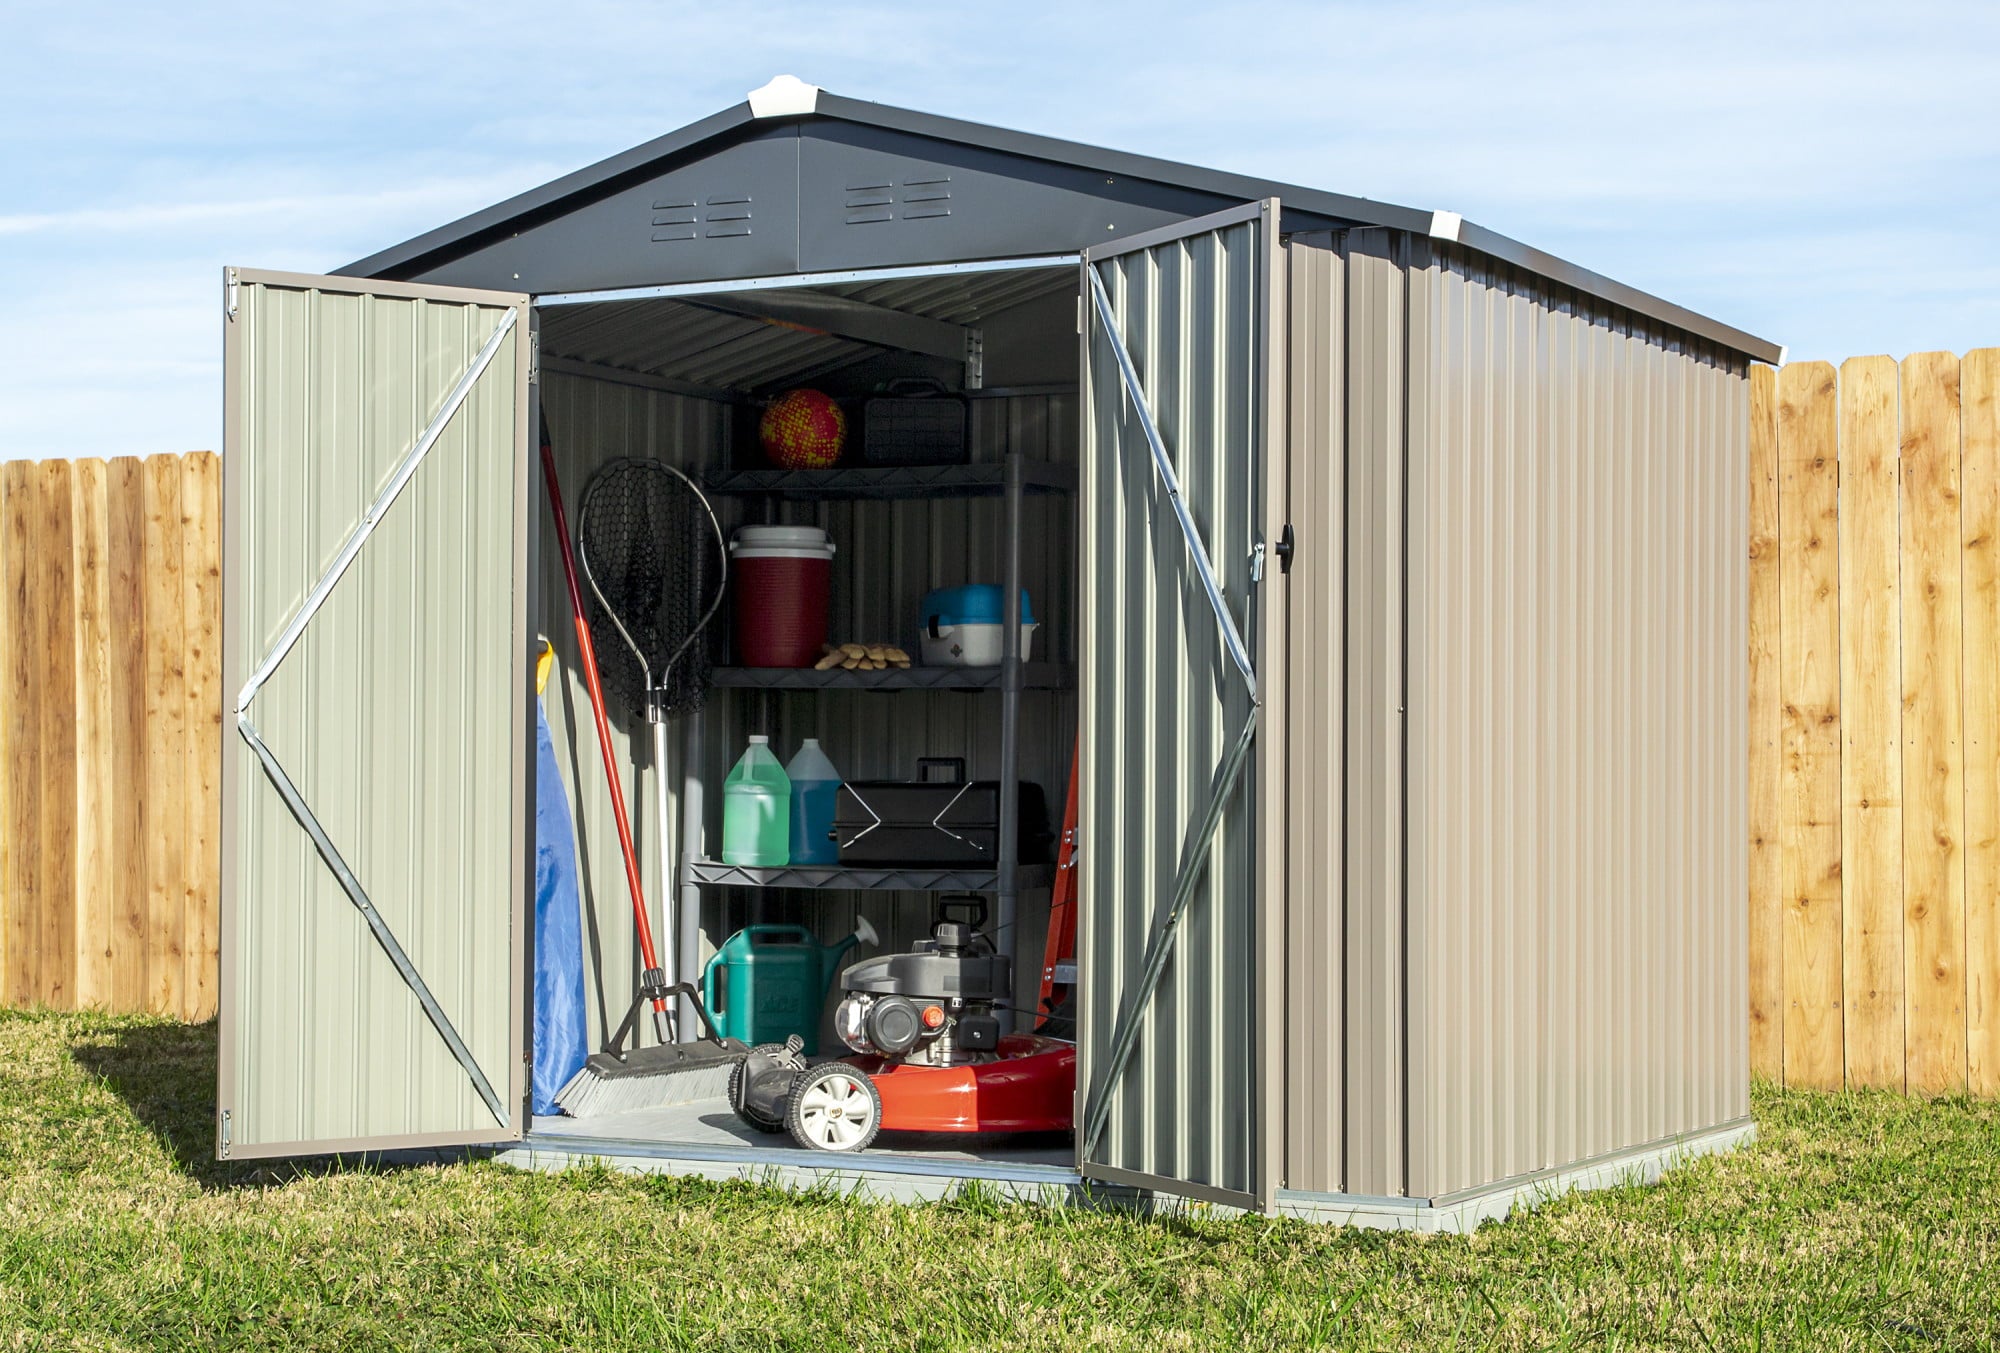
[930,1007]
[929,1054]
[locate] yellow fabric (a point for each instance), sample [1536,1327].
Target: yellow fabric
[543,663]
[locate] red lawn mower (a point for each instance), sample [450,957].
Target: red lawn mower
[928,1052]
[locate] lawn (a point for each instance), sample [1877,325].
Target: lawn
[1855,1221]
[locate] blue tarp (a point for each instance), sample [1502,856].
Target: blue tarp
[561,1038]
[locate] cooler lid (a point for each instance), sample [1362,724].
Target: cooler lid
[973,604]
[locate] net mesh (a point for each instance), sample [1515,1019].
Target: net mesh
[654,555]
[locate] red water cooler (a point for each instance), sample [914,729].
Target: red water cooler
[784,581]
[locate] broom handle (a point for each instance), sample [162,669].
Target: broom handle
[589,653]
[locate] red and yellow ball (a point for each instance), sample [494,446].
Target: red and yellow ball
[803,430]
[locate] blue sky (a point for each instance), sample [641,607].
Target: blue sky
[1825,175]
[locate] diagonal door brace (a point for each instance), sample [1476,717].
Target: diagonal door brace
[1229,774]
[288,792]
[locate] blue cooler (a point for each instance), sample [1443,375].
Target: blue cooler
[963,626]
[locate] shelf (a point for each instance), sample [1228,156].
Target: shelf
[1035,676]
[892,481]
[911,880]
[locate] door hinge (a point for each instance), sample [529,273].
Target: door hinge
[229,292]
[223,1136]
[1257,562]
[534,356]
[1285,549]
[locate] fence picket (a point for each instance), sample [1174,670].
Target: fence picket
[1871,712]
[201,611]
[166,742]
[125,533]
[96,785]
[20,729]
[1933,751]
[1766,729]
[1809,648]
[1979,396]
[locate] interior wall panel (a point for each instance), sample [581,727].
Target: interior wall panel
[888,554]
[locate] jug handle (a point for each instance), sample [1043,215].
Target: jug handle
[708,988]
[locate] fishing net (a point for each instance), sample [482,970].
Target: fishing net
[655,556]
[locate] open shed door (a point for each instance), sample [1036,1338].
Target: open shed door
[376,674]
[1182,498]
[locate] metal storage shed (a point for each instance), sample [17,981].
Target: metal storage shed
[1412,809]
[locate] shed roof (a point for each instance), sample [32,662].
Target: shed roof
[487,247]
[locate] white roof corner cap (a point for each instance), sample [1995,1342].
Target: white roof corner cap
[786,96]
[1783,353]
[1445,225]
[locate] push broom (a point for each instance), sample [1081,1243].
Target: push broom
[622,1078]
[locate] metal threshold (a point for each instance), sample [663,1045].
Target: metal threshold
[706,1138]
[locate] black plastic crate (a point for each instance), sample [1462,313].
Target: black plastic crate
[906,822]
[915,423]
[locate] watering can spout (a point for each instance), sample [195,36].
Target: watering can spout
[863,933]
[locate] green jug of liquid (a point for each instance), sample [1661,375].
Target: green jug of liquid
[757,810]
[768,982]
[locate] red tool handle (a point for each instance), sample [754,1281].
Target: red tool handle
[589,653]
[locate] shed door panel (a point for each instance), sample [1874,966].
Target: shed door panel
[1173,1027]
[375,661]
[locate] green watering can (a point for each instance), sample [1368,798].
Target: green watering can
[768,982]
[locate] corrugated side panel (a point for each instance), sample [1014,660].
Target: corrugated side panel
[1576,794]
[394,715]
[1345,1092]
[1315,941]
[1163,704]
[888,555]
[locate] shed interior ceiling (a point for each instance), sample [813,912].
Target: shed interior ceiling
[686,341]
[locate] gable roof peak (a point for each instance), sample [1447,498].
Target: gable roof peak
[784,96]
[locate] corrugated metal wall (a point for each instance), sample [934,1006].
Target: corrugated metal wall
[1571,928]
[394,715]
[1578,592]
[889,555]
[1345,1057]
[1163,704]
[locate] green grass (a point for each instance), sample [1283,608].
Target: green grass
[1856,1221]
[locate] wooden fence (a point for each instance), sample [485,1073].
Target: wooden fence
[1874,727]
[1875,723]
[110,625]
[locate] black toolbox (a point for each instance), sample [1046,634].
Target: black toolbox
[915,423]
[892,823]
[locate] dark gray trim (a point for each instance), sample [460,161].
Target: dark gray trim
[1338,206]
[1527,257]
[536,200]
[434,247]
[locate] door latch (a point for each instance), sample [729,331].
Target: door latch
[1285,549]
